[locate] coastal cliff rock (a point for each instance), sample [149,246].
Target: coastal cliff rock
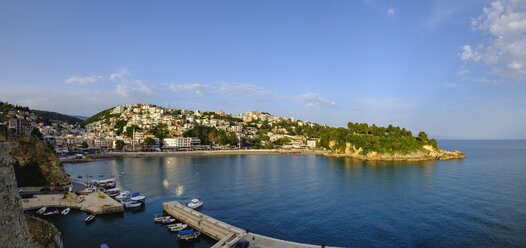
[15,228]
[426,153]
[35,163]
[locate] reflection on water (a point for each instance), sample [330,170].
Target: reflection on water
[478,201]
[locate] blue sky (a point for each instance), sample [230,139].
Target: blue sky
[455,69]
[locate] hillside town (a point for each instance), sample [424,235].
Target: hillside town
[146,127]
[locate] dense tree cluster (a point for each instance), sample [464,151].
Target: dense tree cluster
[373,138]
[209,135]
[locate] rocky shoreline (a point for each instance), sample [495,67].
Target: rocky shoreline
[426,153]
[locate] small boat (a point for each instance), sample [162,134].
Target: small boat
[131,204]
[187,234]
[100,175]
[82,192]
[89,218]
[138,198]
[65,211]
[177,227]
[28,213]
[195,203]
[101,195]
[104,246]
[159,219]
[167,221]
[123,173]
[80,198]
[79,177]
[41,211]
[123,195]
[51,213]
[134,194]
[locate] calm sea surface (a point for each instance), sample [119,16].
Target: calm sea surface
[479,201]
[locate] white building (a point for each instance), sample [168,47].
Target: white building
[180,142]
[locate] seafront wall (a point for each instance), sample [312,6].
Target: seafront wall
[16,229]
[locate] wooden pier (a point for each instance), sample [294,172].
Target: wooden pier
[227,235]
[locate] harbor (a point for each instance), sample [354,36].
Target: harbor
[226,234]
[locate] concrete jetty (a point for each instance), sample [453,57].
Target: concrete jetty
[93,203]
[227,235]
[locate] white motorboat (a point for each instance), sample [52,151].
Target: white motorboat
[80,198]
[65,211]
[51,213]
[41,211]
[89,218]
[159,219]
[138,198]
[167,221]
[177,227]
[187,234]
[123,195]
[131,204]
[195,203]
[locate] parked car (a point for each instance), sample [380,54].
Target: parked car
[58,189]
[45,189]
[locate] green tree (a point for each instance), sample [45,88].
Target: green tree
[84,145]
[423,136]
[148,142]
[119,145]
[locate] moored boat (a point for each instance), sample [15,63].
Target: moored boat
[177,227]
[159,219]
[101,195]
[51,213]
[65,211]
[167,221]
[41,210]
[187,234]
[80,198]
[89,218]
[122,195]
[138,198]
[131,204]
[195,203]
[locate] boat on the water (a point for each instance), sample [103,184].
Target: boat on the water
[122,195]
[112,192]
[131,204]
[187,234]
[138,198]
[79,177]
[177,227]
[159,219]
[51,213]
[41,210]
[65,211]
[90,218]
[167,221]
[195,203]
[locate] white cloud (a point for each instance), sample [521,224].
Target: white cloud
[196,88]
[81,80]
[314,100]
[391,12]
[504,52]
[243,89]
[121,74]
[136,89]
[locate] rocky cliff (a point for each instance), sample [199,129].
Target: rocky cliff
[426,153]
[35,163]
[13,224]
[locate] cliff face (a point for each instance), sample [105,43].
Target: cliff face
[35,163]
[16,229]
[426,153]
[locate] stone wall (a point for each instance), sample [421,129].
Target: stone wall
[13,228]
[18,230]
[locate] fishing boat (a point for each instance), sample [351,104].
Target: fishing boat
[90,218]
[167,221]
[80,198]
[101,195]
[187,234]
[131,204]
[112,192]
[51,213]
[123,195]
[159,219]
[177,227]
[65,211]
[195,203]
[134,194]
[138,198]
[41,211]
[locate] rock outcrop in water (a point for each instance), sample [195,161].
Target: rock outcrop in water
[35,163]
[16,229]
[426,153]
